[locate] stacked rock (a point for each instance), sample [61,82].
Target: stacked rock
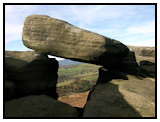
[59,38]
[30,74]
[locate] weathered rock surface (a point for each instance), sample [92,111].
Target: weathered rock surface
[33,73]
[148,68]
[38,106]
[106,76]
[122,98]
[59,38]
[129,65]
[10,90]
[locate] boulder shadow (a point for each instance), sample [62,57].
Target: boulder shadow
[105,100]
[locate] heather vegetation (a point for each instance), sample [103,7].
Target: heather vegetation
[77,78]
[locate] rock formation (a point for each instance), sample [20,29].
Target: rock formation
[31,72]
[129,65]
[38,106]
[121,98]
[31,77]
[59,38]
[148,68]
[10,90]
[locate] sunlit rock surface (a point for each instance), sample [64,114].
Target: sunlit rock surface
[59,38]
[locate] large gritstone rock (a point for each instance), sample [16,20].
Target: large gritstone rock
[33,73]
[38,106]
[9,90]
[59,38]
[121,98]
[129,65]
[148,68]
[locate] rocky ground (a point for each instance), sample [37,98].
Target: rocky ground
[122,98]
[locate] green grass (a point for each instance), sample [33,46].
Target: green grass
[90,78]
[85,71]
[65,83]
[70,71]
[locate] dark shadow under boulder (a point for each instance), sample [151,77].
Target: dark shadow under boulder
[129,65]
[107,75]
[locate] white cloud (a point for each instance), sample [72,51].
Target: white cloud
[145,28]
[13,32]
[14,19]
[73,8]
[100,13]
[89,14]
[139,35]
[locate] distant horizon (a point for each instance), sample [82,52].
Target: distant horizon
[60,59]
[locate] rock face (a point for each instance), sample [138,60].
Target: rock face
[38,106]
[148,68]
[59,38]
[32,73]
[129,65]
[106,76]
[10,90]
[122,98]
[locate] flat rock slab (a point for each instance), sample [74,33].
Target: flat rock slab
[59,38]
[38,106]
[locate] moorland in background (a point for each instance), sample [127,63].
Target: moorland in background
[76,78]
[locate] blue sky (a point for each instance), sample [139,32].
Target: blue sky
[129,24]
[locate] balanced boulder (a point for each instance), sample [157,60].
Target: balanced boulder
[32,72]
[59,38]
